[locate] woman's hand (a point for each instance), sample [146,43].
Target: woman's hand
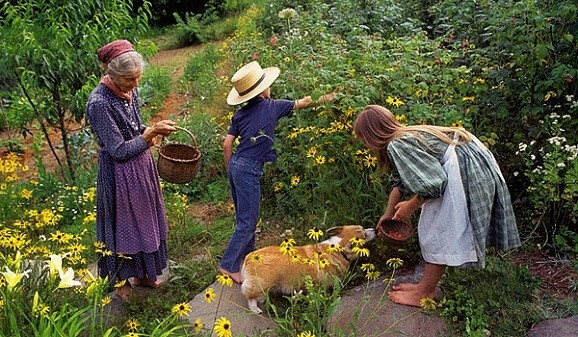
[404,209]
[164,127]
[161,128]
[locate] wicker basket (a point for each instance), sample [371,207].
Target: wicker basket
[179,163]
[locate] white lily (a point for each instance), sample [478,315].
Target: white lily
[55,264]
[12,279]
[67,279]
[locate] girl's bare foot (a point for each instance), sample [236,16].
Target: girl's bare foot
[235,276]
[411,296]
[145,282]
[405,286]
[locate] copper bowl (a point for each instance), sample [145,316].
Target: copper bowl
[394,229]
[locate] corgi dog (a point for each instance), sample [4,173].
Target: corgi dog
[282,268]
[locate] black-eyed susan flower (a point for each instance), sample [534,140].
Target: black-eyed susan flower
[105,301]
[132,325]
[257,257]
[368,267]
[198,325]
[357,242]
[360,251]
[306,334]
[335,248]
[288,242]
[394,262]
[209,295]
[131,334]
[307,261]
[223,328]
[295,180]
[428,304]
[182,309]
[312,152]
[372,275]
[324,263]
[295,258]
[320,160]
[225,280]
[120,284]
[388,280]
[287,250]
[314,233]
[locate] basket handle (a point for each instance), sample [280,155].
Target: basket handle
[188,132]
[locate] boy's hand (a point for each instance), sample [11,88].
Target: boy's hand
[327,98]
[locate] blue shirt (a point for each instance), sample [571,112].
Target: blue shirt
[254,124]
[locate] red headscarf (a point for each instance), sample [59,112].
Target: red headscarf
[107,52]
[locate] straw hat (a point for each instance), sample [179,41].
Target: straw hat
[250,81]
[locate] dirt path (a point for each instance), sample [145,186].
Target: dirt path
[175,62]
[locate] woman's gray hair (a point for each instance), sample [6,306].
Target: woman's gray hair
[125,64]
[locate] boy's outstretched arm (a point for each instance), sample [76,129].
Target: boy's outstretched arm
[307,101]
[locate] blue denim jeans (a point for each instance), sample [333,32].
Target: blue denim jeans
[244,178]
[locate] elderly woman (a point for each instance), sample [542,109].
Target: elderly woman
[455,180]
[130,213]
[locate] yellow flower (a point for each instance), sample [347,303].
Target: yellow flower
[324,263]
[26,194]
[287,250]
[370,161]
[198,325]
[223,328]
[428,304]
[257,257]
[312,152]
[468,99]
[357,242]
[287,59]
[132,325]
[394,262]
[12,279]
[231,208]
[182,309]
[360,251]
[397,102]
[288,242]
[308,261]
[210,295]
[295,180]
[319,160]
[372,275]
[457,124]
[295,258]
[131,334]
[367,267]
[225,280]
[314,233]
[120,284]
[389,100]
[335,248]
[306,334]
[278,187]
[105,301]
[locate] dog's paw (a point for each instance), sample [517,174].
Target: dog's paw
[254,308]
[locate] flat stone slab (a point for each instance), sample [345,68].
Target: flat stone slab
[561,327]
[232,305]
[367,311]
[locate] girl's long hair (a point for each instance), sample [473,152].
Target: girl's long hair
[376,126]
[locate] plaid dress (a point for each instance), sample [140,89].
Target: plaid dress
[418,170]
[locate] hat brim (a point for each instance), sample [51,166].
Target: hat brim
[271,75]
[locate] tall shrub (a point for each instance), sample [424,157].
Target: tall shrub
[48,48]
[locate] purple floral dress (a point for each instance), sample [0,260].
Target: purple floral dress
[130,212]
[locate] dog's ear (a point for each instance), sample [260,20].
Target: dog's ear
[334,230]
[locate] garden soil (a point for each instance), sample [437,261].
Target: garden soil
[556,275]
